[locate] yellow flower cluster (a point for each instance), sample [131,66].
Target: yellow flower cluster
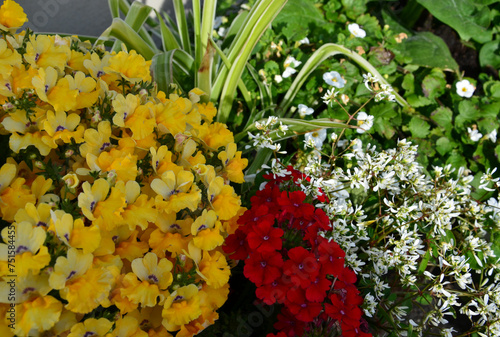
[119,196]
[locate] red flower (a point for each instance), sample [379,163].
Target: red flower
[303,309]
[345,310]
[302,267]
[272,292]
[289,324]
[319,286]
[263,268]
[265,238]
[353,331]
[236,246]
[331,257]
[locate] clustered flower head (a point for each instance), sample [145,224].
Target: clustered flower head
[118,194]
[292,265]
[417,242]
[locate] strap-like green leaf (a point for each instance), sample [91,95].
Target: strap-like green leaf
[182,27]
[123,32]
[204,52]
[168,67]
[135,18]
[167,37]
[257,22]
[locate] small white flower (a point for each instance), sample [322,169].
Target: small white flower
[365,122]
[291,61]
[465,88]
[356,30]
[290,64]
[329,96]
[304,110]
[474,135]
[278,78]
[333,78]
[289,71]
[304,41]
[492,136]
[316,138]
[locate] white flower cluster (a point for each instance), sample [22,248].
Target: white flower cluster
[385,92]
[263,138]
[414,238]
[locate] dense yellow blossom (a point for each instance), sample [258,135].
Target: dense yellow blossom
[120,196]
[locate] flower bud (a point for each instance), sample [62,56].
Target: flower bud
[71,180]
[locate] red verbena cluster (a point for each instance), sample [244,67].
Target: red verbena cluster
[293,266]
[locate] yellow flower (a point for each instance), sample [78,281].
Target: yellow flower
[38,314]
[88,199]
[124,108]
[7,174]
[177,190]
[171,116]
[225,202]
[35,215]
[120,160]
[42,52]
[31,254]
[161,160]
[154,277]
[131,248]
[131,66]
[71,180]
[96,141]
[11,15]
[206,110]
[215,135]
[139,211]
[69,268]
[214,269]
[87,292]
[206,231]
[15,197]
[233,163]
[181,307]
[8,59]
[127,326]
[75,234]
[187,159]
[87,90]
[61,126]
[91,327]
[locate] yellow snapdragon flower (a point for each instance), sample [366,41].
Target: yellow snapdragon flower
[176,191]
[206,231]
[181,307]
[91,327]
[31,254]
[149,280]
[11,15]
[233,163]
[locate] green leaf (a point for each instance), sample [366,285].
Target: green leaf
[456,160]
[443,117]
[434,84]
[428,50]
[489,55]
[308,14]
[444,146]
[467,18]
[409,83]
[424,262]
[492,89]
[419,128]
[354,8]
